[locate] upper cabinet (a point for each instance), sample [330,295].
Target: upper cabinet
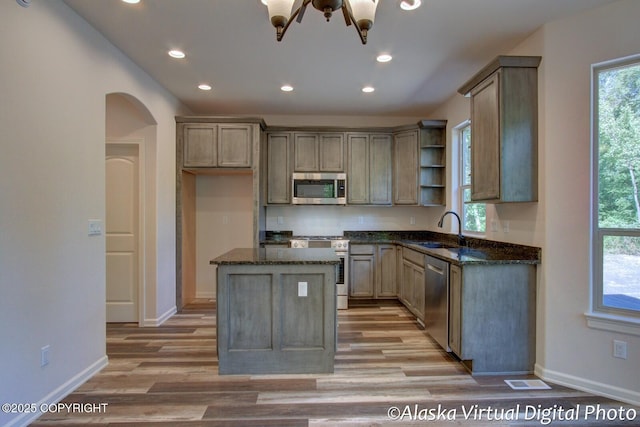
[207,144]
[318,152]
[278,168]
[405,167]
[369,168]
[504,130]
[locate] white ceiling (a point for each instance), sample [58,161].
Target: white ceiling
[231,45]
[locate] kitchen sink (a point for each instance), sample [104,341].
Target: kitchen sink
[432,245]
[462,251]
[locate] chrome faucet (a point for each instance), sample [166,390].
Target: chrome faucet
[461,240]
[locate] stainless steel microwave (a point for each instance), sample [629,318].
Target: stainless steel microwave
[319,189]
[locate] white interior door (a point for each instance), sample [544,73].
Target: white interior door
[121,231]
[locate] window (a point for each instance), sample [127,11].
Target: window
[615,176]
[473,214]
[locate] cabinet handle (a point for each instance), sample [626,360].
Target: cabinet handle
[436,269]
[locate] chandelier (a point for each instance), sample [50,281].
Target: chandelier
[359,12]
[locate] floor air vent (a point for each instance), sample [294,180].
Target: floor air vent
[527,384]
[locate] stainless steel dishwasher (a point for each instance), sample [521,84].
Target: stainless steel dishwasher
[436,300]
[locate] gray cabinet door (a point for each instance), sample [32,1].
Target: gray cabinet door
[278,168]
[358,169]
[405,168]
[362,271]
[331,152]
[318,152]
[386,272]
[305,152]
[234,145]
[380,154]
[485,136]
[200,145]
[504,131]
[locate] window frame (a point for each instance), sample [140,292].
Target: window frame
[600,316]
[462,186]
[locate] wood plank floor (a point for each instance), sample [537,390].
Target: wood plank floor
[167,376]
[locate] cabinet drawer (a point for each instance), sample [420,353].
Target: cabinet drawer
[413,256]
[362,249]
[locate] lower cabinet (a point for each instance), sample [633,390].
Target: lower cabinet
[372,270]
[386,273]
[412,283]
[362,268]
[492,312]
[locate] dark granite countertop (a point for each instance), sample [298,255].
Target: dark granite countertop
[475,251]
[266,256]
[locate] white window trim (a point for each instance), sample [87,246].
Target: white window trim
[460,180]
[598,317]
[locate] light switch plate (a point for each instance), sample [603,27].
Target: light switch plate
[95,227]
[302,289]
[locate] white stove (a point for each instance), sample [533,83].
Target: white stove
[341,246]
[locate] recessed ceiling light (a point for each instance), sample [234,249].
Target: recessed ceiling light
[368,89]
[385,57]
[131,1]
[204,86]
[178,54]
[286,88]
[410,4]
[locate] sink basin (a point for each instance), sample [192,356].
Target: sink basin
[468,252]
[431,245]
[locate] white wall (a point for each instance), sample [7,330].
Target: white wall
[53,81]
[224,221]
[569,352]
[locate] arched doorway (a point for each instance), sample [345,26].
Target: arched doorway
[130,146]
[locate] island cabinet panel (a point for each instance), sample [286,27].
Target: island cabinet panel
[276,318]
[246,308]
[302,317]
[492,317]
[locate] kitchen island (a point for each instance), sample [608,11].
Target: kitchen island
[276,311]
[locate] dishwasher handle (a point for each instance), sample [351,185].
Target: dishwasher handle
[435,269]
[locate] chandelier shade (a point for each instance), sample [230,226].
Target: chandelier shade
[361,13]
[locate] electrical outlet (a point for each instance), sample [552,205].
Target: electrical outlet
[494,226]
[619,349]
[412,220]
[44,355]
[505,226]
[360,220]
[280,220]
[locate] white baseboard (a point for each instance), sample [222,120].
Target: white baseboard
[61,392]
[205,295]
[631,397]
[160,320]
